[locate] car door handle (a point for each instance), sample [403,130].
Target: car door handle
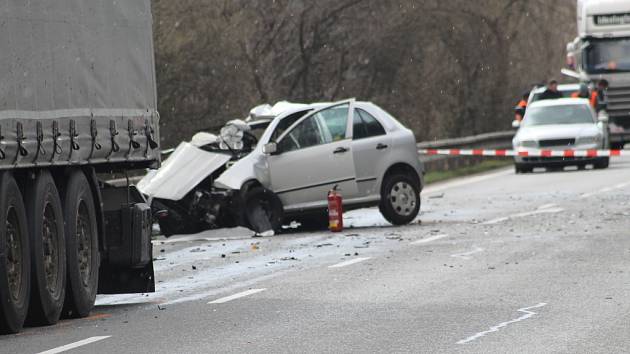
[340,150]
[381,146]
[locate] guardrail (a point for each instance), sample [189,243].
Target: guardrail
[497,140]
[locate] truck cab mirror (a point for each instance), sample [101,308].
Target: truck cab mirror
[516,124]
[270,148]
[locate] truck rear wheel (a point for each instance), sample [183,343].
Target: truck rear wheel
[15,261]
[48,250]
[81,246]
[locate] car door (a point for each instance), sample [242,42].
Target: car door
[312,157]
[371,147]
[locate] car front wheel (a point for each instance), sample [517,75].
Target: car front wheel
[602,163]
[263,210]
[400,199]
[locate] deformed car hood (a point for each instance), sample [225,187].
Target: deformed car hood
[184,169]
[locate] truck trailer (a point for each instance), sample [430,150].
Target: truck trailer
[77,105]
[602,51]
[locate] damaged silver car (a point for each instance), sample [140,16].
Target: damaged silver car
[279,164]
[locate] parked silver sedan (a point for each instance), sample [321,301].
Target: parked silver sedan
[561,124]
[304,152]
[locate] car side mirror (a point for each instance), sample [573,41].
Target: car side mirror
[602,117]
[516,124]
[270,148]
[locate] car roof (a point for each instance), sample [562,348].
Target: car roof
[563,87]
[560,102]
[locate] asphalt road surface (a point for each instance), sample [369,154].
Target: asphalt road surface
[496,263]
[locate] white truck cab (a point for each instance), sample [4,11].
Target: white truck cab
[602,51]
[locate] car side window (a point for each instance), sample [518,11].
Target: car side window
[335,122]
[306,134]
[286,123]
[359,130]
[367,127]
[322,127]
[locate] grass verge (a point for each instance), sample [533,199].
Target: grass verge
[438,176]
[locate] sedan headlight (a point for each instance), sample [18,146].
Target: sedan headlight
[528,144]
[585,140]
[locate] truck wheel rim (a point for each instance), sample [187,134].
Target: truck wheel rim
[84,244]
[50,245]
[14,255]
[403,198]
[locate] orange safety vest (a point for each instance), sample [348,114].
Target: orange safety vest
[575,94]
[594,99]
[521,104]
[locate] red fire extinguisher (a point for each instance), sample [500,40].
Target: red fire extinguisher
[335,211]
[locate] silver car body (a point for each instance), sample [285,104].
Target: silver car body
[592,135]
[302,178]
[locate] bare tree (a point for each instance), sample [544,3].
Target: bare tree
[444,67]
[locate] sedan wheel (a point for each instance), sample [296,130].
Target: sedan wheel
[400,199]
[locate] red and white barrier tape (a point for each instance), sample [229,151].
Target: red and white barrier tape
[525,153]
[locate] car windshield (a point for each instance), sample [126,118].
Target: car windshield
[567,114]
[608,55]
[565,93]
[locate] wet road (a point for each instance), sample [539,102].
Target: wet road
[496,263]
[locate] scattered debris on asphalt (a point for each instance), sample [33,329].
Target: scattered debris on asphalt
[324,245]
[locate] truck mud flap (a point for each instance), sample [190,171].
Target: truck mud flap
[114,280]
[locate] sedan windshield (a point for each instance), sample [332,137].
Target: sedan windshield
[568,114]
[607,56]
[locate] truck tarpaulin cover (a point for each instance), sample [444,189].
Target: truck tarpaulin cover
[77,83]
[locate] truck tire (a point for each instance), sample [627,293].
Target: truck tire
[400,199]
[48,250]
[82,252]
[263,210]
[15,261]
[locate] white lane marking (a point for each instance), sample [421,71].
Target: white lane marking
[74,345]
[495,221]
[466,255]
[350,262]
[527,314]
[547,206]
[236,296]
[466,181]
[605,190]
[522,215]
[429,239]
[622,185]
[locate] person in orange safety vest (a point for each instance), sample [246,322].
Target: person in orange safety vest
[521,106]
[584,92]
[598,96]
